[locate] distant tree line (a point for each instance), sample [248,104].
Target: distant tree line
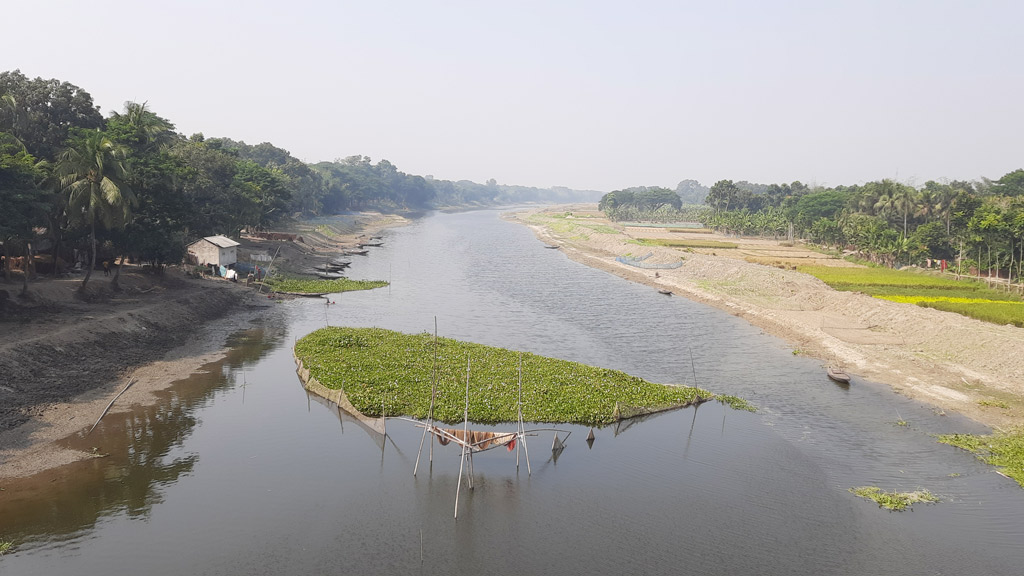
[980,223]
[130,186]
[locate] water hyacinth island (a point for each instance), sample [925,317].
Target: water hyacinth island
[381,369]
[289,285]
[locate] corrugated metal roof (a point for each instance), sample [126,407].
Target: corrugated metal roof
[221,241]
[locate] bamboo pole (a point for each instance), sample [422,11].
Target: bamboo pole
[107,409]
[265,276]
[522,430]
[430,412]
[465,430]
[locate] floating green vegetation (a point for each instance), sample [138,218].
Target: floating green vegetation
[307,286]
[1005,451]
[5,547]
[375,366]
[687,243]
[736,403]
[965,297]
[893,500]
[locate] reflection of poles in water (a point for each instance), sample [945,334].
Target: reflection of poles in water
[686,449]
[384,425]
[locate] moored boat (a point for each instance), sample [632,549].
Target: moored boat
[836,374]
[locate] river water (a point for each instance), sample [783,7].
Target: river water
[238,471]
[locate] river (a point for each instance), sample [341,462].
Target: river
[237,471]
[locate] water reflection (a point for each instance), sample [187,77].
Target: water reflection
[136,452]
[285,485]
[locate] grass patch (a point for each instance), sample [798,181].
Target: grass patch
[306,286]
[373,365]
[1006,451]
[569,226]
[893,500]
[5,547]
[691,231]
[687,243]
[994,404]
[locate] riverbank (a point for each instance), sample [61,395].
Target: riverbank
[949,361]
[63,357]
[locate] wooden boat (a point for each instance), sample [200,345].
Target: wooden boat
[370,244]
[330,267]
[665,291]
[837,375]
[551,246]
[355,252]
[330,276]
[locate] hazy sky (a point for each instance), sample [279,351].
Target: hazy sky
[584,94]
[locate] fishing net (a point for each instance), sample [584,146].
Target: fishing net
[643,262]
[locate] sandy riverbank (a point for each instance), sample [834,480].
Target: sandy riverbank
[63,358]
[949,361]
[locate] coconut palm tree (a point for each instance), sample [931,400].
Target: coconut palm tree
[905,200]
[91,176]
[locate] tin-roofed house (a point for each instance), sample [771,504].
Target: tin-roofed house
[219,250]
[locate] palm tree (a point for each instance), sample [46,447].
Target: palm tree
[904,200]
[150,129]
[147,133]
[91,173]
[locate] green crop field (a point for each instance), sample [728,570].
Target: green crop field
[965,297]
[686,243]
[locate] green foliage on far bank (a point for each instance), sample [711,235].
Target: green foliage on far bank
[319,286]
[373,365]
[1003,450]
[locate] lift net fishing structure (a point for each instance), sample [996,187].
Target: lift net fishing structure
[471,442]
[642,262]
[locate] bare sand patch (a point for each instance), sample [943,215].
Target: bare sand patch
[951,361]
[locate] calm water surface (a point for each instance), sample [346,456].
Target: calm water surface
[237,471]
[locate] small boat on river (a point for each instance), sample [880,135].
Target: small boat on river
[665,291]
[836,374]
